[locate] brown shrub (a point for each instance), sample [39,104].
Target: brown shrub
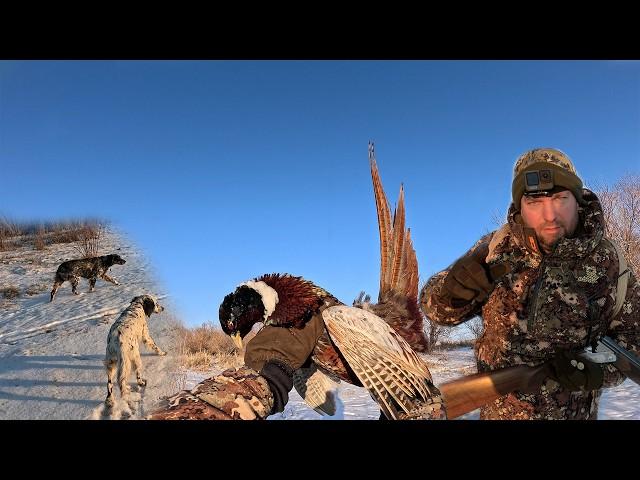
[40,234]
[10,292]
[39,240]
[36,288]
[621,209]
[90,240]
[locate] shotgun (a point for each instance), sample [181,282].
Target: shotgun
[465,394]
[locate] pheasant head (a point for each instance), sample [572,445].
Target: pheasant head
[251,303]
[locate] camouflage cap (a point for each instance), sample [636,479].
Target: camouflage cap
[563,171]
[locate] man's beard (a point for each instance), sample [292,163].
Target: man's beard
[549,242]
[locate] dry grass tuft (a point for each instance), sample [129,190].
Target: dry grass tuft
[90,240]
[450,344]
[39,235]
[36,288]
[10,292]
[39,242]
[207,347]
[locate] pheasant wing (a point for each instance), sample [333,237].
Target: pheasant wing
[397,378]
[317,389]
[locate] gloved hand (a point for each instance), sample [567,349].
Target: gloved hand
[290,346]
[276,352]
[470,278]
[575,373]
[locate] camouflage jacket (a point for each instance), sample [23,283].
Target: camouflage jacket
[564,299]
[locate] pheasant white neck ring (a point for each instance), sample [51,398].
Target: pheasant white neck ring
[269,296]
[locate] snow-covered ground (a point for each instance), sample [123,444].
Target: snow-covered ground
[355,403]
[621,402]
[51,354]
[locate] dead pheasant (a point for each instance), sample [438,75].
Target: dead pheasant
[356,346]
[369,346]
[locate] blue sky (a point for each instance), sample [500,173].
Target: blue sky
[224,170]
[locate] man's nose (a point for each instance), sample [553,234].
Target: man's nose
[549,212]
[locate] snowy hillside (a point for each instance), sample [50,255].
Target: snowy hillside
[51,354]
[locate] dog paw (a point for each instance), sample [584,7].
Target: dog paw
[109,402]
[161,353]
[142,382]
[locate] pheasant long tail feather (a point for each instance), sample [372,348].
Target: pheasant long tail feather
[398,273]
[411,288]
[384,223]
[398,263]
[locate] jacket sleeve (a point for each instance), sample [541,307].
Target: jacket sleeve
[435,306]
[235,394]
[625,329]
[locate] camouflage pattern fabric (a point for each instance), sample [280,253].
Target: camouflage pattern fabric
[240,394]
[549,155]
[564,173]
[561,300]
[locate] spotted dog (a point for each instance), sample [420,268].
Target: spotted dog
[90,268]
[123,345]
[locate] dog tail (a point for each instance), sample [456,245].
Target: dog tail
[124,369]
[111,357]
[57,281]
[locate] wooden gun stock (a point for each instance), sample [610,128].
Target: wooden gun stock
[468,393]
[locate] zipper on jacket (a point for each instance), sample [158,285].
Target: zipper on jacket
[536,287]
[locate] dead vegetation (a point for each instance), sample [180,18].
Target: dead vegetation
[207,347]
[10,292]
[39,235]
[90,241]
[621,208]
[451,344]
[36,289]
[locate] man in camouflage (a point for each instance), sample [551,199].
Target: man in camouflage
[545,286]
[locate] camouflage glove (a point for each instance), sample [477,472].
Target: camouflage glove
[276,352]
[574,373]
[470,278]
[240,394]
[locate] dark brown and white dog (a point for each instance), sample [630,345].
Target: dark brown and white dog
[123,342]
[90,268]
